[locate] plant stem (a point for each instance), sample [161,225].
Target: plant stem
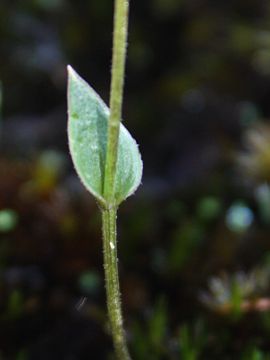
[116,94]
[112,283]
[109,213]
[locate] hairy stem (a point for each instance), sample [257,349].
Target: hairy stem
[116,94]
[112,283]
[109,213]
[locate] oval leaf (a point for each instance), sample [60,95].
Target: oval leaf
[87,133]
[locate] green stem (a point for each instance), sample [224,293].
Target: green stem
[112,283]
[116,94]
[109,213]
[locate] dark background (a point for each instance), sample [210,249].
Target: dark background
[194,246]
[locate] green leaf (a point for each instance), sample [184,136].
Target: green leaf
[87,132]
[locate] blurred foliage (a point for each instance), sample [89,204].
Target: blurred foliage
[194,241]
[150,341]
[8,220]
[192,344]
[238,293]
[257,160]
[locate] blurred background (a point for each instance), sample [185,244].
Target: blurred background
[194,243]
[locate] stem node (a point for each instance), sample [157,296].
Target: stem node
[109,213]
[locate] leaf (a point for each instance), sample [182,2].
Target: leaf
[87,133]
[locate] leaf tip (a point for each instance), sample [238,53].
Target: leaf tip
[71,72]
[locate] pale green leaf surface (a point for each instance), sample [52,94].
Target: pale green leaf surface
[87,132]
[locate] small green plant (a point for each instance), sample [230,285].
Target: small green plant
[106,159]
[150,339]
[192,341]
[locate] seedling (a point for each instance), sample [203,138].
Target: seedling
[107,160]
